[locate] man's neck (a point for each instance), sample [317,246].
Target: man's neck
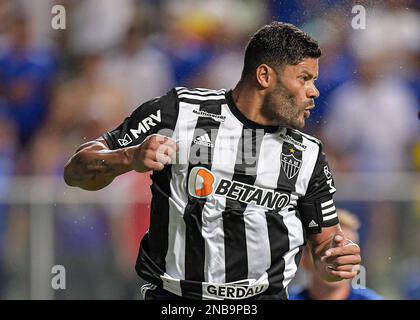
[249,101]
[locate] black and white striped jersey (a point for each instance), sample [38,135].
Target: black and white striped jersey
[229,217]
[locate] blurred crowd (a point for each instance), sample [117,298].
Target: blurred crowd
[59,88]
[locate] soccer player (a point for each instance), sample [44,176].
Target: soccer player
[237,189]
[319,289]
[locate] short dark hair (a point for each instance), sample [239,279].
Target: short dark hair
[278,44]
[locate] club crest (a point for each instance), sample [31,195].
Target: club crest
[290,165]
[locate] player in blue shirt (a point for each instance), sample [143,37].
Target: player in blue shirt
[319,289]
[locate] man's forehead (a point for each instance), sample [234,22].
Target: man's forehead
[310,65]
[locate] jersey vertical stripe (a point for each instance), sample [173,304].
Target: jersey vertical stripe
[279,223]
[200,155]
[223,164]
[291,219]
[259,255]
[183,135]
[236,260]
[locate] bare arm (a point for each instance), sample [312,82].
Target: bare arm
[335,258]
[94,165]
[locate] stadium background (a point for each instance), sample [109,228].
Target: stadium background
[59,88]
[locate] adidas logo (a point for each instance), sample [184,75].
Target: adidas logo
[313,224]
[204,140]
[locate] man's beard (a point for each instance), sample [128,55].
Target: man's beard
[281,107]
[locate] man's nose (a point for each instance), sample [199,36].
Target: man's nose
[313,93]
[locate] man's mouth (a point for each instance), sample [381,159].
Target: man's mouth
[310,107]
[307,111]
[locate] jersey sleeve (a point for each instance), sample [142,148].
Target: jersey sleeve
[317,207]
[153,116]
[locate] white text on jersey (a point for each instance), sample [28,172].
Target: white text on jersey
[145,124]
[247,193]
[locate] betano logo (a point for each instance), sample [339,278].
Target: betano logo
[201,182]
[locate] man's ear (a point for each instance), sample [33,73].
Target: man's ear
[265,76]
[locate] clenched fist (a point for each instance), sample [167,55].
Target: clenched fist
[342,258]
[154,153]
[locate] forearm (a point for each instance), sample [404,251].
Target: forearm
[95,166]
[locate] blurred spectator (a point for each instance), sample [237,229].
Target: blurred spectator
[337,64]
[87,105]
[99,25]
[193,29]
[372,120]
[138,69]
[188,51]
[25,77]
[38,13]
[318,289]
[226,65]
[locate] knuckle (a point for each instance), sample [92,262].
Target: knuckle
[149,154]
[148,146]
[154,145]
[149,139]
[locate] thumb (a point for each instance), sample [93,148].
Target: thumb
[338,239]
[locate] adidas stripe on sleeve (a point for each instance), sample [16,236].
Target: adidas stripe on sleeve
[317,206]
